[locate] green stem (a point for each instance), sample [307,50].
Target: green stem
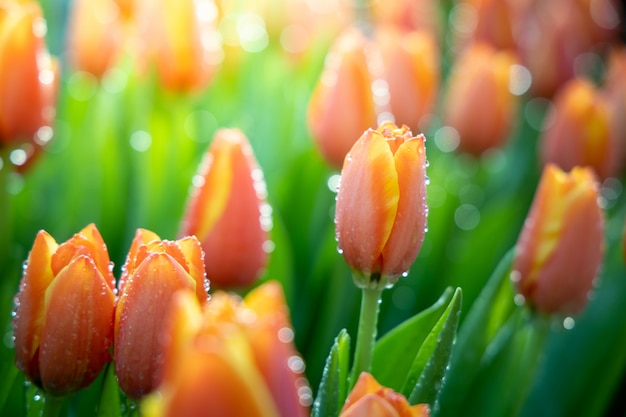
[367,332]
[52,405]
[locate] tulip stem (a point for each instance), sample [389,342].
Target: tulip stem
[370,301]
[52,406]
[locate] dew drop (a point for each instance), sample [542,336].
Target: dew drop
[569,323]
[339,250]
[405,274]
[37,397]
[519,300]
[296,364]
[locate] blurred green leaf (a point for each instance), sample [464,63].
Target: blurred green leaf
[332,391]
[109,404]
[432,360]
[395,352]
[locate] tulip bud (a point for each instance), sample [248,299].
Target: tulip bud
[579,133]
[228,213]
[381,205]
[28,75]
[369,398]
[63,323]
[153,272]
[478,102]
[560,249]
[345,83]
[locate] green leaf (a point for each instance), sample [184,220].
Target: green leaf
[109,405]
[487,316]
[395,352]
[332,391]
[432,360]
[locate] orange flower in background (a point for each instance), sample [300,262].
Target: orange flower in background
[381,204]
[182,39]
[231,357]
[409,15]
[559,251]
[489,21]
[342,105]
[412,71]
[370,399]
[63,323]
[478,102]
[28,76]
[228,213]
[579,130]
[154,270]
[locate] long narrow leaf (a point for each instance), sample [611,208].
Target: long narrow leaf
[333,386]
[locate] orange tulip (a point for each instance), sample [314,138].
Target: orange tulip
[370,399]
[494,22]
[381,205]
[342,105]
[478,102]
[412,71]
[579,133]
[228,212]
[560,249]
[408,15]
[28,75]
[63,323]
[154,270]
[231,357]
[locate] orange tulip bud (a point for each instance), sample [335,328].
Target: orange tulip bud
[28,75]
[381,205]
[154,270]
[478,102]
[344,84]
[231,357]
[412,71]
[579,133]
[228,213]
[370,399]
[63,323]
[560,249]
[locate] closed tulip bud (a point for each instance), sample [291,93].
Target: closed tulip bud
[579,133]
[63,323]
[370,399]
[154,270]
[560,249]
[228,213]
[230,357]
[28,75]
[345,84]
[478,102]
[381,205]
[412,71]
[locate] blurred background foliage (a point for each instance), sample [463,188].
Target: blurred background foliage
[125,151]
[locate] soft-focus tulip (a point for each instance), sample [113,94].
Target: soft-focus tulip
[412,72]
[95,35]
[381,204]
[233,357]
[614,89]
[579,130]
[559,251]
[489,21]
[228,213]
[28,76]
[63,323]
[154,270]
[370,399]
[342,105]
[478,102]
[183,39]
[409,15]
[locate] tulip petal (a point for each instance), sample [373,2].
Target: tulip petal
[407,234]
[29,317]
[371,405]
[78,328]
[142,237]
[194,256]
[367,202]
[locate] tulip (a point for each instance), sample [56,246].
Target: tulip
[494,22]
[370,399]
[154,270]
[230,357]
[560,249]
[63,322]
[342,105]
[228,213]
[412,72]
[478,103]
[28,75]
[381,204]
[579,133]
[409,15]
